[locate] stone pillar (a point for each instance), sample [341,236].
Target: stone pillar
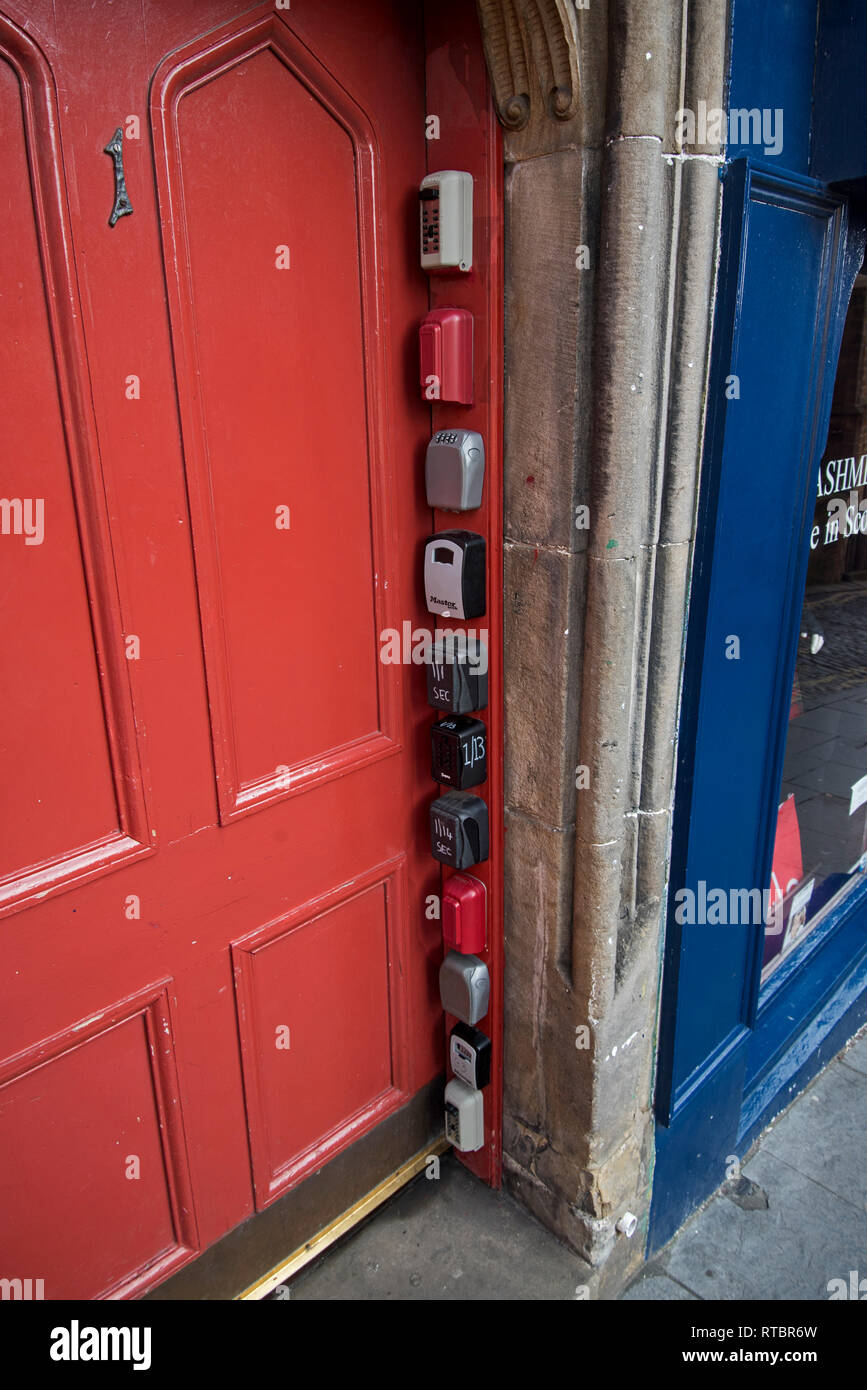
[611,245]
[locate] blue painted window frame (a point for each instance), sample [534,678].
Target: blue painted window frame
[782,1029]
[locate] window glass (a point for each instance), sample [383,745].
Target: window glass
[820,844]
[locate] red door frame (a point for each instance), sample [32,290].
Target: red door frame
[458,92]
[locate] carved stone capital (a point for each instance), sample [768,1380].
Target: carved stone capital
[531,47]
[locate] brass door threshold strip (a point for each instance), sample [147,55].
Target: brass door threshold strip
[341,1224]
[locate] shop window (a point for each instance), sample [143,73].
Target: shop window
[821,840]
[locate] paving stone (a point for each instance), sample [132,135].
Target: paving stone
[805,1238]
[834,721]
[446,1240]
[800,737]
[656,1288]
[850,706]
[803,761]
[835,778]
[856,1057]
[823,1135]
[843,751]
[827,813]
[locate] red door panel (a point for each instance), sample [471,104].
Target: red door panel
[333,967]
[45,580]
[280,398]
[67,722]
[215,792]
[93,1110]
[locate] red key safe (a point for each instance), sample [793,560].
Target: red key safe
[445,339]
[464,911]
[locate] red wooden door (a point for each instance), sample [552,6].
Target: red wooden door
[216,969]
